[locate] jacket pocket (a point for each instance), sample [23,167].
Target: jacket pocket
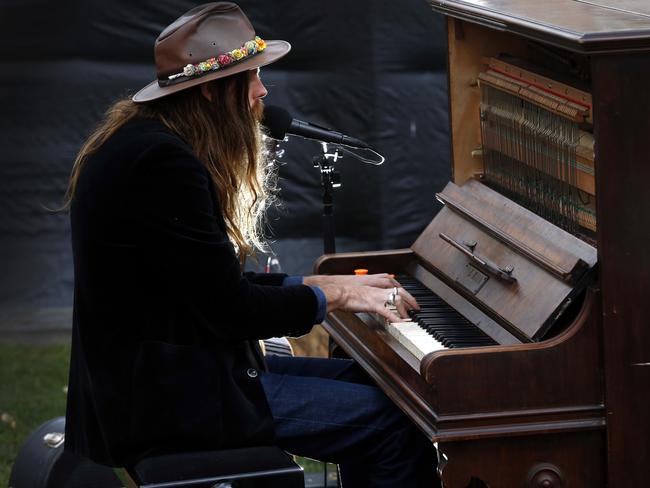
[176,397]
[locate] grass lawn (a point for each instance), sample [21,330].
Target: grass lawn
[32,379]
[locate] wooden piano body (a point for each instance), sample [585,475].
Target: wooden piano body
[518,401]
[572,408]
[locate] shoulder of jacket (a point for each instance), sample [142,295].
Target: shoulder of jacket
[150,132]
[152,140]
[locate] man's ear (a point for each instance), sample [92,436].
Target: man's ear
[206,92]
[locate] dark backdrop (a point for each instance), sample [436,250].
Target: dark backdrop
[374,69]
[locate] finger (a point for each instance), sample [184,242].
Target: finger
[389,314]
[386,280]
[402,307]
[381,275]
[381,280]
[408,298]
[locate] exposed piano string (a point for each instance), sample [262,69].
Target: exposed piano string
[535,152]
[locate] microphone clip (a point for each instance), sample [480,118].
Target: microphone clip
[330,178]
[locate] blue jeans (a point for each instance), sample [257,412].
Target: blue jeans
[327,409]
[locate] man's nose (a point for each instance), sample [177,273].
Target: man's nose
[261,90]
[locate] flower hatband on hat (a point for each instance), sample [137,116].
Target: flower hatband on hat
[249,48]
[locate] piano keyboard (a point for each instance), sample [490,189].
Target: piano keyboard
[436,326]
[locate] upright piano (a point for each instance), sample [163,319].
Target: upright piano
[529,363]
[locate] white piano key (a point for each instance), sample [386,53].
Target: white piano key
[415,339]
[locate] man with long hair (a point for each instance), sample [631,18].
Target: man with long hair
[166,199]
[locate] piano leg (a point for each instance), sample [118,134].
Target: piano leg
[542,461]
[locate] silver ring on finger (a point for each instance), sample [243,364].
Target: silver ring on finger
[390,302]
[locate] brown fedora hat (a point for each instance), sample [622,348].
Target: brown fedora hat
[210,41]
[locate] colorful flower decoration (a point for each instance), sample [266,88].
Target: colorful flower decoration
[225,59]
[249,48]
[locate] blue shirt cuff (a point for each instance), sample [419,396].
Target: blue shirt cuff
[321,311]
[322,305]
[292,280]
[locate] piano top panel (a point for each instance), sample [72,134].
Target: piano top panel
[594,26]
[562,252]
[480,226]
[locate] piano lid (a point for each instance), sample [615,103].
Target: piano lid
[517,267]
[583,26]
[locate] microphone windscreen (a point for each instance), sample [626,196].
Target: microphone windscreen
[277,120]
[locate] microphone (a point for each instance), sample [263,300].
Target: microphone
[280,123]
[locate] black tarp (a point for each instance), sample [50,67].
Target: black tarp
[372,69]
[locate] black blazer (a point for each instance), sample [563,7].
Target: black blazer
[164,321]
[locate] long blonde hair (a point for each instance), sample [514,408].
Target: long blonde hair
[224,134]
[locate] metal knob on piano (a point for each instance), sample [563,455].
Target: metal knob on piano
[471,245]
[508,269]
[483,263]
[545,475]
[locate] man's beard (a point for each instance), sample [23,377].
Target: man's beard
[258,110]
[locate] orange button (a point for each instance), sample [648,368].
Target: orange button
[360,272]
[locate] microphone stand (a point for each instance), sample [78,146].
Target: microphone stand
[330,179]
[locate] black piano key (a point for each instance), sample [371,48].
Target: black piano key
[450,332]
[463,341]
[440,320]
[453,331]
[436,311]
